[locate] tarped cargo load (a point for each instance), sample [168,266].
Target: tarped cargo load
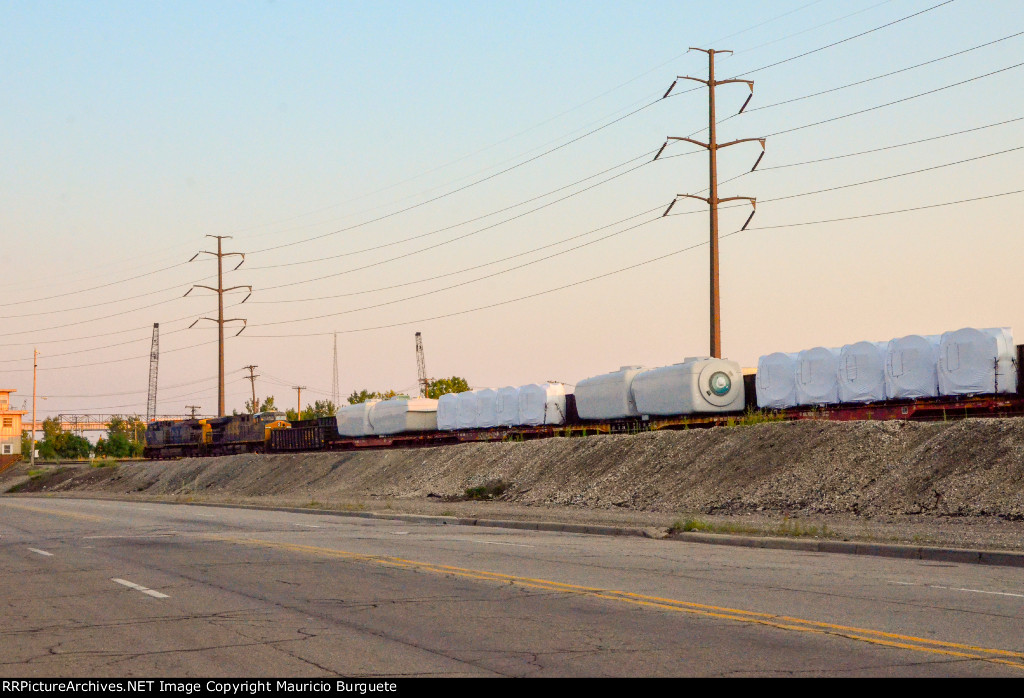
[468,409]
[487,401]
[973,361]
[354,420]
[696,385]
[817,376]
[911,367]
[401,415]
[608,396]
[776,381]
[542,403]
[862,372]
[507,406]
[447,412]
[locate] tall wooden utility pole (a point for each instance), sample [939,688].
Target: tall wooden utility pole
[35,365]
[713,199]
[421,367]
[220,291]
[298,405]
[252,379]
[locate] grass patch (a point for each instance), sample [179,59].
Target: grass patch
[752,417]
[104,464]
[36,474]
[787,528]
[313,504]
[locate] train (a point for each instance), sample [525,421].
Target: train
[965,373]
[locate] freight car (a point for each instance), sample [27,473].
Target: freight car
[696,393]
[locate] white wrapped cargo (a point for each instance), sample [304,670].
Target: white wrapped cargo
[468,409]
[608,396]
[487,402]
[403,414]
[817,376]
[911,367]
[776,381]
[862,372]
[354,420]
[507,406]
[447,412]
[974,361]
[541,403]
[696,385]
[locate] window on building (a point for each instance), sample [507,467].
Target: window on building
[8,422]
[8,449]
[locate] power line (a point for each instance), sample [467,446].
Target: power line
[849,38]
[467,221]
[455,239]
[898,101]
[889,213]
[628,268]
[504,140]
[879,77]
[878,150]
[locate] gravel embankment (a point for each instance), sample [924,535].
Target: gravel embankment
[962,476]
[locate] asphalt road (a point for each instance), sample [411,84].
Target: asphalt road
[144,589]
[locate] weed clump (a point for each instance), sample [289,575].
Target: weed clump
[489,490]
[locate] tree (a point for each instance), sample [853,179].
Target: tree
[266,406]
[57,443]
[362,396]
[125,438]
[321,408]
[443,386]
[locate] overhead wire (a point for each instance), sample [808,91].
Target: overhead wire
[620,271]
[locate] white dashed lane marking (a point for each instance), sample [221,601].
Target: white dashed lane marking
[964,589]
[139,587]
[41,552]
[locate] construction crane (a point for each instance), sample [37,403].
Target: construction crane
[154,363]
[421,366]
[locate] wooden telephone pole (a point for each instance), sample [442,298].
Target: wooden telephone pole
[712,200]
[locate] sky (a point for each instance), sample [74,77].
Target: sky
[483,173]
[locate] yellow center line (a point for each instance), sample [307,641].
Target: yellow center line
[52,512]
[875,637]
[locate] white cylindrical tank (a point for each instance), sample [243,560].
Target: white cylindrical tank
[817,376]
[468,406]
[911,367]
[696,385]
[400,415]
[776,380]
[608,396]
[354,420]
[448,412]
[487,402]
[977,361]
[507,406]
[541,403]
[862,372]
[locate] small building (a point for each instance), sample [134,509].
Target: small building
[10,429]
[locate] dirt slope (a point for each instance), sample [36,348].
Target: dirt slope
[963,468]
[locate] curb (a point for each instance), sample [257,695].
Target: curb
[1002,558]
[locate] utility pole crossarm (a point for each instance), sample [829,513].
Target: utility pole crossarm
[689,140]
